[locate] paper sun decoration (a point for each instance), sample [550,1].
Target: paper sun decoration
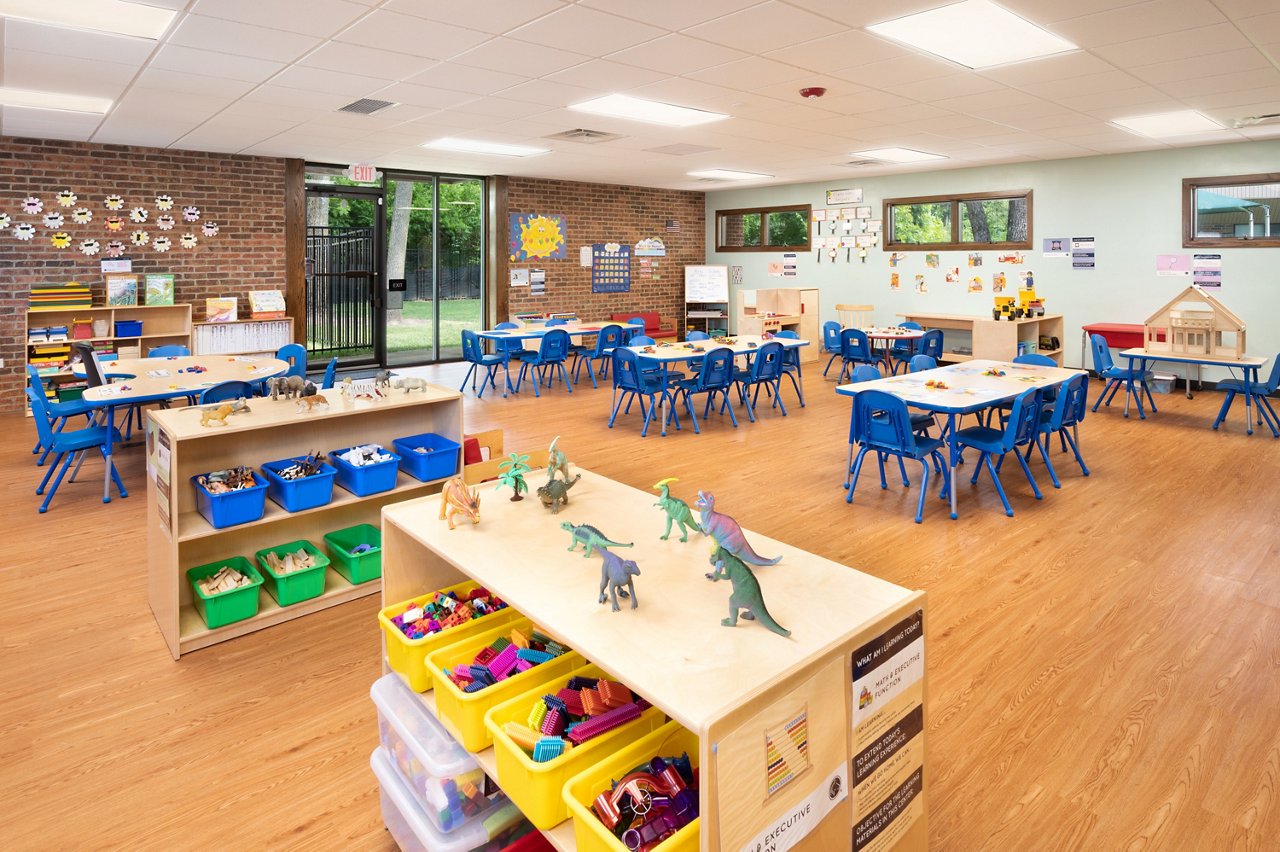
[61,239]
[52,219]
[32,205]
[165,222]
[82,215]
[113,202]
[138,215]
[164,202]
[162,244]
[115,248]
[67,198]
[191,214]
[209,229]
[89,248]
[24,231]
[139,238]
[114,223]
[189,241]
[4,221]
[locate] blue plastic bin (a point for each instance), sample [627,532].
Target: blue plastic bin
[439,462]
[128,328]
[367,479]
[295,495]
[234,507]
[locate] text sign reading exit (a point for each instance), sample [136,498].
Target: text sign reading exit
[362,173]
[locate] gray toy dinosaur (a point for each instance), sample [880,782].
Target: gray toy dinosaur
[557,462]
[727,533]
[556,493]
[616,572]
[746,591]
[591,538]
[677,510]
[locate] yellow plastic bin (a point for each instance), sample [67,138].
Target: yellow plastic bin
[580,792]
[409,656]
[537,787]
[463,712]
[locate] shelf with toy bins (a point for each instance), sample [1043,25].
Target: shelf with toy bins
[753,699]
[180,537]
[995,340]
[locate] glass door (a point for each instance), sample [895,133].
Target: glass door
[460,268]
[343,273]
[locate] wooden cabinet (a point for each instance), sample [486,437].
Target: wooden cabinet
[711,317]
[842,699]
[995,340]
[179,538]
[778,309]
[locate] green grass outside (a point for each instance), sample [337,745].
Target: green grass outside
[455,315]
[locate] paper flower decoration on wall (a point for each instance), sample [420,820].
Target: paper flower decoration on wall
[191,214]
[23,231]
[89,248]
[139,238]
[53,219]
[209,229]
[165,222]
[189,241]
[67,198]
[32,205]
[4,221]
[115,248]
[82,215]
[114,223]
[162,244]
[114,202]
[138,215]
[61,239]
[164,202]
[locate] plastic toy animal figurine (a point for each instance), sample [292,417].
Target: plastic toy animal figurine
[556,493]
[727,533]
[382,379]
[218,416]
[556,461]
[289,386]
[513,469]
[310,389]
[677,511]
[311,403]
[591,538]
[410,383]
[457,499]
[746,591]
[616,572]
[360,389]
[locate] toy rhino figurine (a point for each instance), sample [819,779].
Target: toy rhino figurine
[410,383]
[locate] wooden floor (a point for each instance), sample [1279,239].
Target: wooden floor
[1104,667]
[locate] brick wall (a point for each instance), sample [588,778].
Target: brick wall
[244,195]
[599,213]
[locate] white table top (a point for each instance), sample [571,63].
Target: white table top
[742,345]
[894,333]
[531,332]
[967,386]
[1246,361]
[140,385]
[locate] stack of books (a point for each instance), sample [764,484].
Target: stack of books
[49,359]
[60,297]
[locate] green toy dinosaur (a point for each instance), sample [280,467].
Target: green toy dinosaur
[590,537]
[556,493]
[677,511]
[746,591]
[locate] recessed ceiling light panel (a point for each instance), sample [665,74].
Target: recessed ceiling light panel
[479,146]
[53,101]
[1165,124]
[727,174]
[654,112]
[118,17]
[897,155]
[974,33]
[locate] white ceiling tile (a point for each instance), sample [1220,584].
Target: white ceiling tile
[466,121]
[1249,102]
[552,94]
[677,54]
[1044,12]
[367,61]
[504,108]
[1140,20]
[866,100]
[1051,124]
[749,74]
[1227,62]
[1261,131]
[1090,103]
[408,34]
[314,17]
[1065,66]
[82,44]
[42,73]
[490,16]
[611,76]
[1237,9]
[462,78]
[909,113]
[1188,43]
[842,50]
[47,124]
[321,80]
[796,114]
[1087,85]
[672,14]
[1241,81]
[192,84]
[1121,108]
[1007,100]
[152,131]
[191,60]
[861,14]
[163,104]
[296,98]
[519,57]
[950,86]
[422,96]
[1263,28]
[887,74]
[1105,144]
[762,28]
[692,93]
[575,27]
[789,90]
[1212,137]
[753,130]
[240,39]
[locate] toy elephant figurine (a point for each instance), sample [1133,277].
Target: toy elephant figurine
[289,386]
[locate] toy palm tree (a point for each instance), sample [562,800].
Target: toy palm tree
[513,470]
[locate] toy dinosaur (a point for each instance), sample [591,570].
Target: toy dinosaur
[677,511]
[556,493]
[457,499]
[289,386]
[218,416]
[727,533]
[746,591]
[616,572]
[556,461]
[591,538]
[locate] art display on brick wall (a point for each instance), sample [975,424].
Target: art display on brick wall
[54,220]
[537,236]
[610,268]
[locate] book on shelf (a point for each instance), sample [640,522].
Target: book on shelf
[122,289]
[266,304]
[220,309]
[59,297]
[159,288]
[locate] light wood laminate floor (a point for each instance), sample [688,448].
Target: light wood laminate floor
[1104,667]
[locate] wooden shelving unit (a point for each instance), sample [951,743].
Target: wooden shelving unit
[729,685]
[996,340]
[241,337]
[179,538]
[778,309]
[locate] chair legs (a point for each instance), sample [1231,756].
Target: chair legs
[795,383]
[830,361]
[62,463]
[852,472]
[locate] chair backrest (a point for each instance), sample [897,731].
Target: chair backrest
[330,373]
[767,365]
[223,391]
[92,369]
[34,378]
[788,334]
[554,346]
[626,369]
[1035,359]
[642,340]
[911,324]
[609,337]
[509,345]
[790,354]
[881,420]
[296,355]
[636,321]
[470,346]
[1101,353]
[1076,392]
[831,336]
[556,321]
[717,369]
[1273,383]
[922,362]
[1024,420]
[40,414]
[931,344]
[865,373]
[854,343]
[698,335]
[172,350]
[854,316]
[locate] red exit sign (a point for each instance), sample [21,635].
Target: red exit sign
[362,173]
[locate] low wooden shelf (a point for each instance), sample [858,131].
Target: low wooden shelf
[995,340]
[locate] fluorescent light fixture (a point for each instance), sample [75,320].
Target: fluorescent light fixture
[118,17]
[1165,124]
[897,155]
[53,100]
[654,112]
[727,174]
[477,146]
[974,33]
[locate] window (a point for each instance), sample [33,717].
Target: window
[763,229]
[973,220]
[1241,211]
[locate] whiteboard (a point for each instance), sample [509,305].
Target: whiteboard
[706,283]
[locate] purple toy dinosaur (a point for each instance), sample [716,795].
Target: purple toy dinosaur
[727,533]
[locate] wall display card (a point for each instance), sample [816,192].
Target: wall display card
[610,268]
[584,256]
[862,212]
[520,277]
[1057,247]
[774,269]
[1173,265]
[1082,253]
[998,282]
[848,213]
[953,275]
[1014,258]
[844,196]
[537,282]
[220,309]
[736,275]
[819,215]
[789,265]
[975,259]
[932,260]
[651,247]
[120,264]
[122,289]
[896,257]
[975,284]
[865,240]
[874,226]
[894,281]
[534,236]
[1206,270]
[1027,279]
[159,289]
[922,286]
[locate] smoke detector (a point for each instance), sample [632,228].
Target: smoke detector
[812,92]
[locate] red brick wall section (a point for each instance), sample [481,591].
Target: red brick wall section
[601,213]
[244,195]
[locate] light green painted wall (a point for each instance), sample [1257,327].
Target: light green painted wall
[1129,202]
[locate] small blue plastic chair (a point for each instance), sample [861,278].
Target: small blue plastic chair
[901,352]
[651,369]
[609,337]
[330,373]
[631,383]
[60,412]
[224,391]
[554,321]
[1022,428]
[1134,381]
[173,350]
[920,363]
[931,344]
[66,446]
[473,353]
[641,340]
[791,363]
[548,362]
[1258,391]
[633,328]
[1066,413]
[1047,394]
[511,348]
[765,371]
[1035,359]
[715,377]
[296,355]
[881,424]
[830,343]
[698,335]
[855,349]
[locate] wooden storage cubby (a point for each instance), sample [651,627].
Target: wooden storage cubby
[781,309]
[995,340]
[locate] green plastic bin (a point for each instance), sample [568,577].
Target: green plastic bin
[356,567]
[227,607]
[299,586]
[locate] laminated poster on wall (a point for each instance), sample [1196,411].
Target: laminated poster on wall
[874,226]
[922,286]
[1057,247]
[1082,253]
[998,282]
[953,275]
[537,282]
[1206,270]
[1013,258]
[844,196]
[932,260]
[1173,265]
[819,215]
[536,236]
[789,263]
[520,277]
[896,257]
[894,281]
[610,268]
[735,275]
[975,259]
[975,284]
[774,269]
[650,247]
[1026,279]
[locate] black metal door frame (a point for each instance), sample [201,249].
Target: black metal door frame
[376,291]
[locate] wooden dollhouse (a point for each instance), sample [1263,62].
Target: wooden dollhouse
[1195,323]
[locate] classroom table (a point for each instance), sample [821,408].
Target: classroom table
[159,379]
[893,332]
[1248,365]
[528,332]
[969,389]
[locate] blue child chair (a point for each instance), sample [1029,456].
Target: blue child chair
[1022,428]
[173,350]
[609,337]
[881,424]
[548,362]
[830,342]
[60,412]
[1134,381]
[631,383]
[66,445]
[902,351]
[855,349]
[791,363]
[715,377]
[224,391]
[1258,392]
[765,371]
[473,353]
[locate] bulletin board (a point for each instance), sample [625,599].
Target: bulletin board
[610,268]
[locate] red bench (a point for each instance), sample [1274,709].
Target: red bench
[652,323]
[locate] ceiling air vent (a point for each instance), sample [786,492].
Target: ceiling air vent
[1251,120]
[366,106]
[858,164]
[581,134]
